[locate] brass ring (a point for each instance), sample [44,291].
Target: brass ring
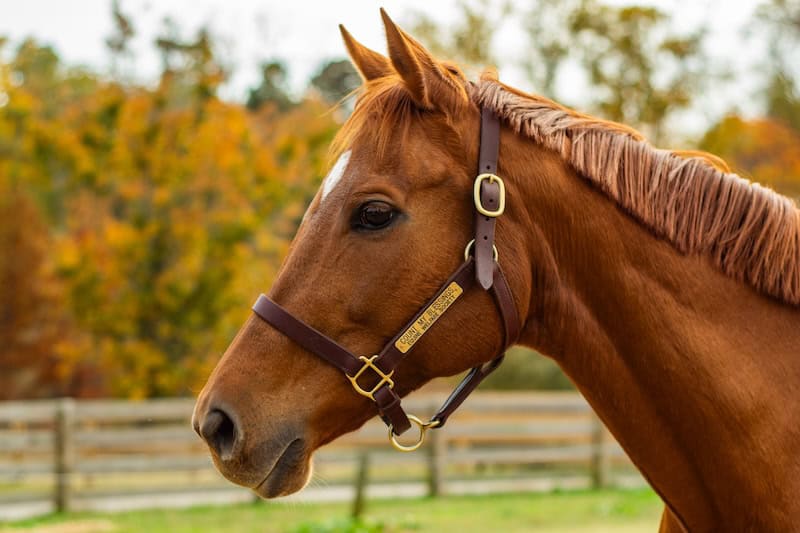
[469,247]
[423,427]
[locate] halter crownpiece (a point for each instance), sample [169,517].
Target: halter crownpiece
[480,267]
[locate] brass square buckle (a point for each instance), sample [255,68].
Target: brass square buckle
[476,195]
[369,362]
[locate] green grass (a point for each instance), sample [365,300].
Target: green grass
[625,511]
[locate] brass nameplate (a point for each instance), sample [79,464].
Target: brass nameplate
[428,317]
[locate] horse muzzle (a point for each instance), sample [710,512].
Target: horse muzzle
[271,463]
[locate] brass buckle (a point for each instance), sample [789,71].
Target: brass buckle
[369,362]
[476,195]
[423,427]
[471,243]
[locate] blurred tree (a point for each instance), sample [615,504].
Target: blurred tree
[640,70]
[764,150]
[298,140]
[467,41]
[783,100]
[549,42]
[38,89]
[779,22]
[168,209]
[335,80]
[32,319]
[37,67]
[5,80]
[118,43]
[190,68]
[181,227]
[272,88]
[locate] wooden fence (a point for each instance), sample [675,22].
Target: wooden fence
[107,455]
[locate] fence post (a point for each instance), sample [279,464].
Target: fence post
[64,453]
[437,460]
[600,460]
[362,478]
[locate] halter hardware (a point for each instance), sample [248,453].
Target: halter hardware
[423,427]
[476,195]
[468,251]
[369,363]
[480,268]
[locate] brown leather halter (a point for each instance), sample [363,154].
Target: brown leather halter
[480,267]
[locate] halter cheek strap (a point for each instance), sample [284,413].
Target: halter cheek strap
[489,195]
[373,376]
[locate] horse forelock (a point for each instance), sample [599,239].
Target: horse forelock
[383,109]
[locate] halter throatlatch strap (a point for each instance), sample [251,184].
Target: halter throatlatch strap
[372,376]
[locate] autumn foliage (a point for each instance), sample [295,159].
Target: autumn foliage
[765,150]
[137,224]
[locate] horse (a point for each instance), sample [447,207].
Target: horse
[666,287]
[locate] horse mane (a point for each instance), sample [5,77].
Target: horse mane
[689,198]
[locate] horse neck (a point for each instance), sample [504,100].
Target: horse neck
[696,374]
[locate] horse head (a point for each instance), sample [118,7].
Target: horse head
[387,227]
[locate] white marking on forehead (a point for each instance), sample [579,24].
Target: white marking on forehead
[335,175]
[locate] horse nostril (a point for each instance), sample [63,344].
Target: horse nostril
[219,431]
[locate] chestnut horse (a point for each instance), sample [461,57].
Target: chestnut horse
[667,289]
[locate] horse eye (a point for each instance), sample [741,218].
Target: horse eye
[375,215]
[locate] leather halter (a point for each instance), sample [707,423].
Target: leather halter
[479,268]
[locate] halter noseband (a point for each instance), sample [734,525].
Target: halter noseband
[480,267]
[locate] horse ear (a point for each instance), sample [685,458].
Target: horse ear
[421,73]
[370,64]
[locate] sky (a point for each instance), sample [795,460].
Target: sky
[304,33]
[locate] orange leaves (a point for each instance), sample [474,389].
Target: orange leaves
[32,318]
[764,150]
[165,216]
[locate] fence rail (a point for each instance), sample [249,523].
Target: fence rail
[74,455]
